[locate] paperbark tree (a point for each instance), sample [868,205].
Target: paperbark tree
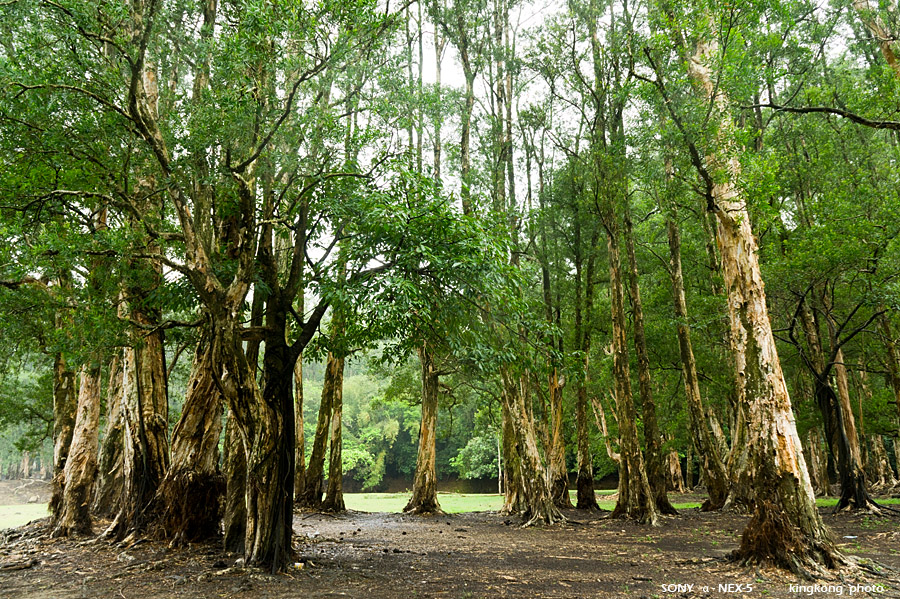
[109,475]
[72,517]
[785,527]
[424,493]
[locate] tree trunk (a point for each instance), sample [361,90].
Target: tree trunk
[315,471]
[818,470]
[635,499]
[110,476]
[537,502]
[424,494]
[656,476]
[334,495]
[64,410]
[559,475]
[712,467]
[513,494]
[146,448]
[73,515]
[189,497]
[235,472]
[300,449]
[674,477]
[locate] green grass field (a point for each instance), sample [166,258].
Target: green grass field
[453,503]
[17,515]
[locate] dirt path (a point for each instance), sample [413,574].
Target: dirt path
[466,556]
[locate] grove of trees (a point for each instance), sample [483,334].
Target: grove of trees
[553,242]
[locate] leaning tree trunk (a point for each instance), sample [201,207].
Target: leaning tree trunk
[334,495]
[785,528]
[188,501]
[537,502]
[656,476]
[424,494]
[711,465]
[312,493]
[73,515]
[108,490]
[635,499]
[146,447]
[64,410]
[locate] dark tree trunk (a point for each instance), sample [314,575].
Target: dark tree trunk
[424,494]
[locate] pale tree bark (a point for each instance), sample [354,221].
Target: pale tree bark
[73,515]
[635,500]
[674,477]
[818,468]
[64,410]
[887,40]
[145,432]
[315,471]
[785,528]
[537,502]
[188,499]
[424,493]
[655,461]
[513,493]
[559,474]
[109,476]
[334,493]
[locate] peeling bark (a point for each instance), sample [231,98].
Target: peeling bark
[189,498]
[635,499]
[64,411]
[73,515]
[424,494]
[109,476]
[315,471]
[334,494]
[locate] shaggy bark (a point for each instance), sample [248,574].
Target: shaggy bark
[188,503]
[235,471]
[424,494]
[64,410]
[334,494]
[110,476]
[315,471]
[537,503]
[785,527]
[73,515]
[818,468]
[656,476]
[635,499]
[513,494]
[145,432]
[674,477]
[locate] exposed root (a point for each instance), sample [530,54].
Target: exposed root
[188,507]
[771,538]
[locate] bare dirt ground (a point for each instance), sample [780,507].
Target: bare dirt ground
[15,492]
[464,556]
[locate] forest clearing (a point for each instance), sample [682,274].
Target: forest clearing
[450,297]
[472,555]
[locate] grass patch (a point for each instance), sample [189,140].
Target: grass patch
[17,515]
[832,501]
